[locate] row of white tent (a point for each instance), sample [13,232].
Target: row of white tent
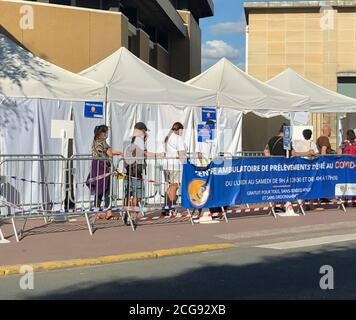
[33,92]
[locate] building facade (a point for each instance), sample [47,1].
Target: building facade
[76,34]
[315,38]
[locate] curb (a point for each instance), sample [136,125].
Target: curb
[57,265]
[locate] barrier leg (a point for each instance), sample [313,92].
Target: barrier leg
[224,214]
[341,205]
[272,210]
[190,217]
[129,217]
[301,208]
[89,224]
[15,230]
[2,238]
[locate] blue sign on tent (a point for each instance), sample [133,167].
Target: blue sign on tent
[94,110]
[205,133]
[287,137]
[208,114]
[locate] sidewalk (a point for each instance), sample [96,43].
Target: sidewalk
[63,241]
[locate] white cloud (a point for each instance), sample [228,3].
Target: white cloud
[214,50]
[228,27]
[217,49]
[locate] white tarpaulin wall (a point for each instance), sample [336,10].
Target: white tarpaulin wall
[159,120]
[32,93]
[26,129]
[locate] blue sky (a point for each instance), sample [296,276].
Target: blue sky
[223,35]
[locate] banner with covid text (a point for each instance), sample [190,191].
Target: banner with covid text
[237,181]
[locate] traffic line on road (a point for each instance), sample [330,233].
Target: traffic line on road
[55,265]
[309,242]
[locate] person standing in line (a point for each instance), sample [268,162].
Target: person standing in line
[348,146]
[307,149]
[99,179]
[274,147]
[324,147]
[323,142]
[135,166]
[176,154]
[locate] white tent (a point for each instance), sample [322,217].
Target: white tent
[33,92]
[321,99]
[138,92]
[131,80]
[236,89]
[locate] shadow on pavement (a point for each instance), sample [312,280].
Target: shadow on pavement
[286,276]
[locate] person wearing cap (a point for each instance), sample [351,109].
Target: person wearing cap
[135,165]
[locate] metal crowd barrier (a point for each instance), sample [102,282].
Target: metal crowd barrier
[55,188]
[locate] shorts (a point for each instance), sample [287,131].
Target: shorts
[172,176]
[134,188]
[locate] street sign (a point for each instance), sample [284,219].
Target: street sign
[287,137]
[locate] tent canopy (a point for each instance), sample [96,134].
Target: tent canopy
[22,75]
[131,80]
[321,99]
[237,89]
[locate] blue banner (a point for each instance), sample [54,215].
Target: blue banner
[94,110]
[262,180]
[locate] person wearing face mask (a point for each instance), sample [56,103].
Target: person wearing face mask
[176,152]
[98,180]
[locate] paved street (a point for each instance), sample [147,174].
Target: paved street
[241,273]
[272,259]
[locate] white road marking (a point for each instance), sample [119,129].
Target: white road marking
[287,231]
[309,242]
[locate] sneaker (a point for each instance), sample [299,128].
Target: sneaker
[165,213]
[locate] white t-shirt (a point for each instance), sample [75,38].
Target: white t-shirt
[136,150]
[305,146]
[174,144]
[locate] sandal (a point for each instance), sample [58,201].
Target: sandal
[100,216]
[109,215]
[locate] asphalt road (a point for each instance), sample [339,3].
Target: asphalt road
[241,273]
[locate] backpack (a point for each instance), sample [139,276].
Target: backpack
[350,148]
[132,167]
